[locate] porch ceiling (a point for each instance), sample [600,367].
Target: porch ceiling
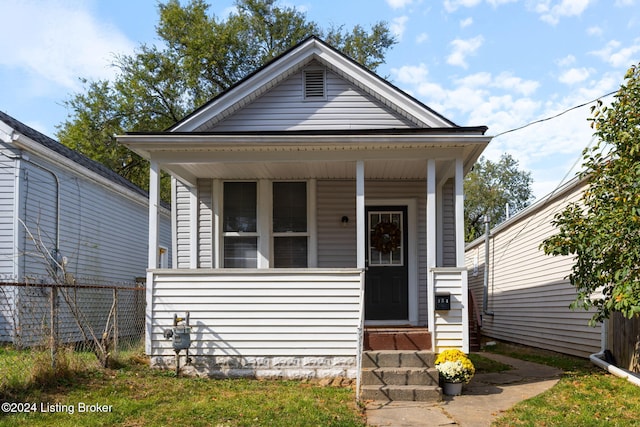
[374,169]
[388,154]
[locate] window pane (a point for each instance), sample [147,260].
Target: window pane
[241,252]
[240,206]
[290,252]
[289,206]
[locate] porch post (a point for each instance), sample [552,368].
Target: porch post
[431,246]
[459,212]
[360,215]
[154,201]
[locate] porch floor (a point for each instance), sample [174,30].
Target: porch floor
[397,338]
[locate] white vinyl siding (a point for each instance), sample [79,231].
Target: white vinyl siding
[8,248]
[8,243]
[448,224]
[205,223]
[260,312]
[182,206]
[103,234]
[529,293]
[336,241]
[448,328]
[285,108]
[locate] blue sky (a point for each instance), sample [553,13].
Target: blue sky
[500,63]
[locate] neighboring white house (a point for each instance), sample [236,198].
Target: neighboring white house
[527,293]
[84,213]
[310,198]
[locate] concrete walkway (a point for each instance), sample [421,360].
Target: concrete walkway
[482,400]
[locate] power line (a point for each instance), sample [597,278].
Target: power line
[555,116]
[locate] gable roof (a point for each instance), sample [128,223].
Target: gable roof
[292,61]
[70,154]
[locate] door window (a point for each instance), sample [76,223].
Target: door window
[386,246]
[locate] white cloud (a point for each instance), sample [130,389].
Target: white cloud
[621,3]
[398,4]
[475,80]
[453,5]
[398,26]
[462,49]
[514,84]
[574,75]
[594,31]
[564,8]
[618,56]
[466,22]
[566,61]
[422,38]
[411,74]
[63,41]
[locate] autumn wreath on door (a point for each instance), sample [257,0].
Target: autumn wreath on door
[386,237]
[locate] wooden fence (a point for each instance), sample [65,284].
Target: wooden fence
[624,341]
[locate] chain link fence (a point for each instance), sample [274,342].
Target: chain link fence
[87,322]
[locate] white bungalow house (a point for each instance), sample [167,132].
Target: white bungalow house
[310,200]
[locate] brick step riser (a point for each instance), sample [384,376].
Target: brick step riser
[397,341]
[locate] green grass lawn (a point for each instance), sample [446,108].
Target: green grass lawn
[135,395]
[585,395]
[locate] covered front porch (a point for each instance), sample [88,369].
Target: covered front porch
[346,281]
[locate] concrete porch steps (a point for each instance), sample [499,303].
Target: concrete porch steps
[399,375]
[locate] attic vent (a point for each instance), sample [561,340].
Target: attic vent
[314,84]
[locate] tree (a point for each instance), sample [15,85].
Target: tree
[198,56]
[602,229]
[488,188]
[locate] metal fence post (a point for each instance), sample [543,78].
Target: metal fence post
[115,320]
[53,324]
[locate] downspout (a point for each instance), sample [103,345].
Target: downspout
[55,177]
[485,281]
[599,359]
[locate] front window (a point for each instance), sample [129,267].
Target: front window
[245,224]
[240,225]
[290,232]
